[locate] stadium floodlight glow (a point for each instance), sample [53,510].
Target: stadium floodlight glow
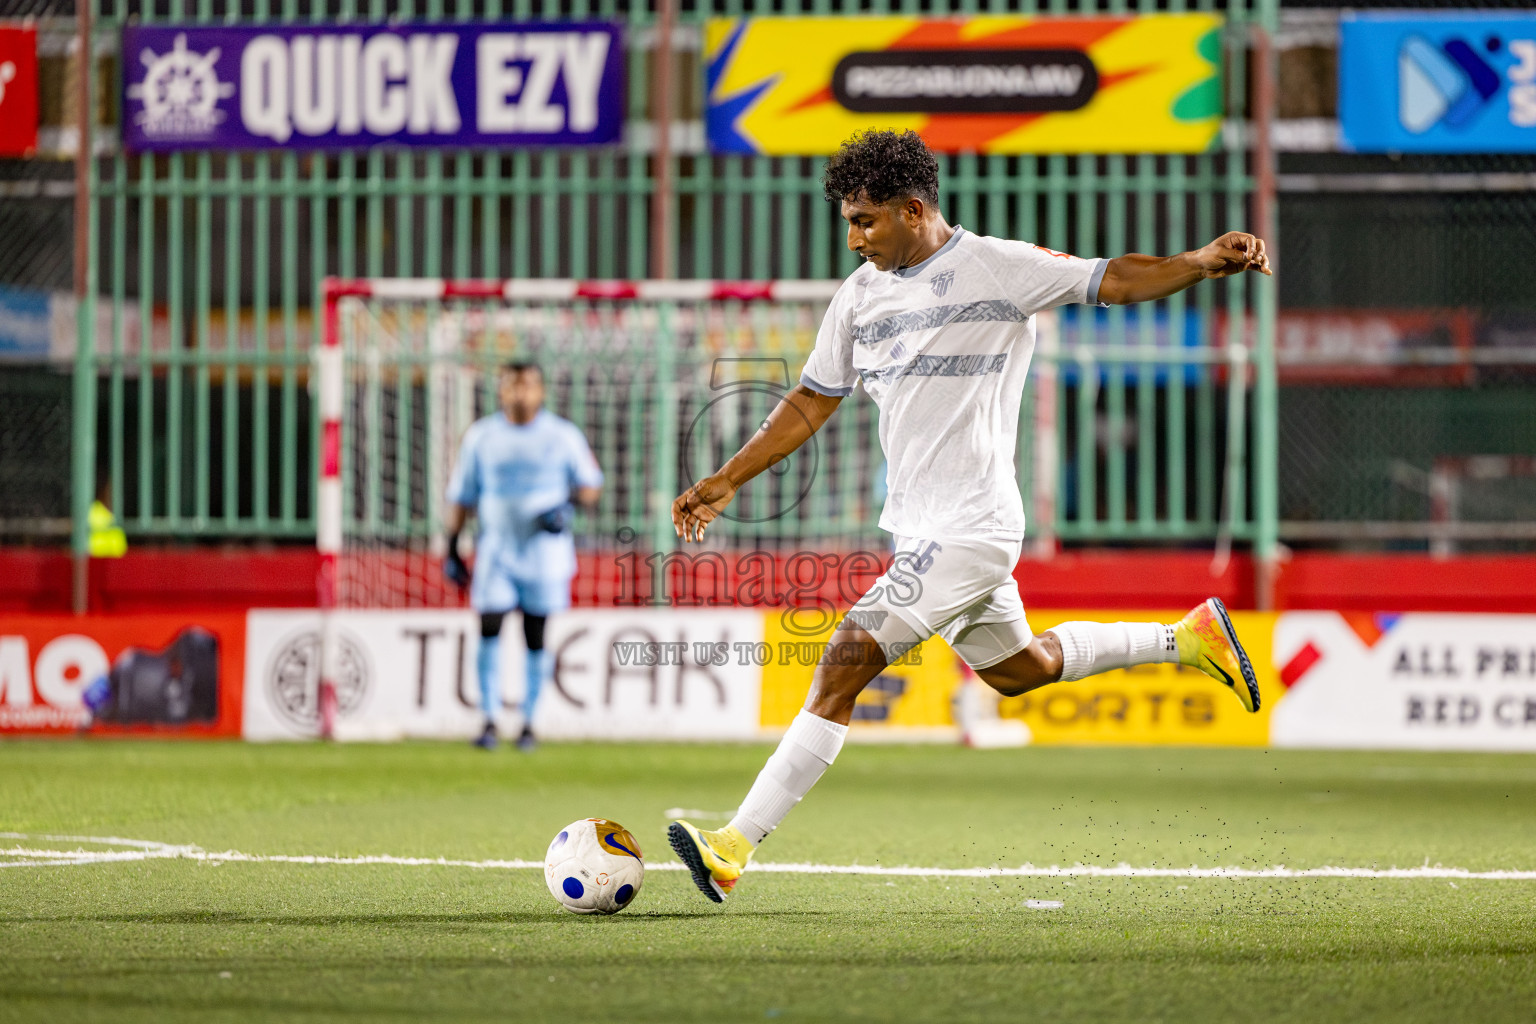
[405,365]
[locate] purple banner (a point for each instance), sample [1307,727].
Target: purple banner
[353,86]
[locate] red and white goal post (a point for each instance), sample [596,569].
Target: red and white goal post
[405,365]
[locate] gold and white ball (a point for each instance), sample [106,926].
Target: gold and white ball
[594,867]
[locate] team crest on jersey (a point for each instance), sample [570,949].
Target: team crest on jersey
[941,282]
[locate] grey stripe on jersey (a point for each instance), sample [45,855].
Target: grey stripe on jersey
[977,365]
[938,316]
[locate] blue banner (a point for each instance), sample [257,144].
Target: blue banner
[25,323]
[353,86]
[1097,327]
[1460,82]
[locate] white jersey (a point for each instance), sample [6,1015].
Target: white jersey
[943,348]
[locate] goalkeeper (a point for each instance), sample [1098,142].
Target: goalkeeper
[519,471]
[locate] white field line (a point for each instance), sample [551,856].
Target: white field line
[1128,871]
[690,812]
[21,856]
[143,844]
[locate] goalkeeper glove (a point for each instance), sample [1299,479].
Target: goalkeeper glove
[453,565]
[557,519]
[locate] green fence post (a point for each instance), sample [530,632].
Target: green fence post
[1266,391]
[664,482]
[1266,442]
[83,491]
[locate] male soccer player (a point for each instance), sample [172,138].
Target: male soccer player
[939,326]
[518,471]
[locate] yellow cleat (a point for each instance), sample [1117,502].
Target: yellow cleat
[715,859]
[1208,642]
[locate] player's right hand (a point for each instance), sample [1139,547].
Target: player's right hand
[699,506]
[454,566]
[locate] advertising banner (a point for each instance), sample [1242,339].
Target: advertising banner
[1461,82]
[1156,704]
[1327,679]
[801,86]
[350,86]
[26,323]
[617,674]
[135,674]
[18,90]
[1151,704]
[1364,346]
[653,673]
[910,698]
[1435,682]
[399,673]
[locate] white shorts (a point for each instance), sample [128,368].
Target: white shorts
[960,589]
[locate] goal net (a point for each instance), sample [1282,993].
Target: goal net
[665,380]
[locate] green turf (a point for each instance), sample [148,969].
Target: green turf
[182,940]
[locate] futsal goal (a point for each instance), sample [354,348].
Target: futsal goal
[666,379]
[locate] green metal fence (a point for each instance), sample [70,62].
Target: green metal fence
[194,404]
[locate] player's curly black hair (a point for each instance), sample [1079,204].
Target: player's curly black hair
[884,165]
[518,366]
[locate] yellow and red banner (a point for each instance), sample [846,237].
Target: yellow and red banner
[910,698]
[1152,704]
[801,86]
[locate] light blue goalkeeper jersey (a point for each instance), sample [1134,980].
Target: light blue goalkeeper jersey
[510,475]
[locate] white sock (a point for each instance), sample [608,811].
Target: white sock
[1088,648]
[807,749]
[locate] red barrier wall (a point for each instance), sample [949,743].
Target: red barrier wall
[1405,583]
[157,579]
[229,579]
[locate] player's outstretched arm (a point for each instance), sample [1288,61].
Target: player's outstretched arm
[1138,278]
[798,415]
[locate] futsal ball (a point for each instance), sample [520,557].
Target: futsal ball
[593,867]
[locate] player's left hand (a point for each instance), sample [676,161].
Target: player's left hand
[454,567]
[1233,253]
